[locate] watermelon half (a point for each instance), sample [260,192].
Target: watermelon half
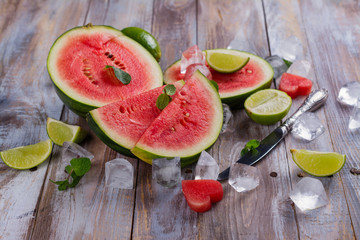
[235,87]
[190,124]
[76,64]
[121,124]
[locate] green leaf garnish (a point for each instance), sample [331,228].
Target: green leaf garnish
[164,99]
[287,62]
[76,170]
[250,146]
[121,75]
[170,89]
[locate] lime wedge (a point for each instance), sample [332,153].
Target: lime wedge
[27,156]
[225,62]
[319,164]
[267,106]
[60,132]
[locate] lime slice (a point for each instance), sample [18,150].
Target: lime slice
[60,132]
[27,156]
[225,62]
[319,164]
[267,106]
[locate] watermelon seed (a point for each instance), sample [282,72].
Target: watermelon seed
[122,109]
[183,93]
[173,129]
[187,114]
[249,71]
[129,111]
[117,63]
[132,108]
[110,56]
[107,53]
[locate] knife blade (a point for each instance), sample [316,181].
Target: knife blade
[315,100]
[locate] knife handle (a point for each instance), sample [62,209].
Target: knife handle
[315,100]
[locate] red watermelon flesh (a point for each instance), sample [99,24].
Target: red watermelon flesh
[200,194]
[295,85]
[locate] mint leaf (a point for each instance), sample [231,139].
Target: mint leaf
[80,166]
[75,180]
[214,84]
[68,169]
[287,62]
[169,89]
[63,186]
[250,146]
[121,75]
[162,101]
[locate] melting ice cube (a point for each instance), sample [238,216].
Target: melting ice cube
[349,93]
[243,177]
[277,64]
[192,55]
[308,127]
[166,172]
[72,150]
[201,67]
[301,68]
[227,116]
[354,123]
[119,173]
[290,48]
[308,194]
[206,167]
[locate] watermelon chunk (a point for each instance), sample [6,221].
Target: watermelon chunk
[295,85]
[200,194]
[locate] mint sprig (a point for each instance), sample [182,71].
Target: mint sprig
[121,75]
[76,170]
[250,147]
[164,99]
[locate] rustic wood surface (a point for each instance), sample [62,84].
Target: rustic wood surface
[328,34]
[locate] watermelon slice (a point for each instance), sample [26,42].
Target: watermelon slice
[76,65]
[200,194]
[121,124]
[235,87]
[295,85]
[188,125]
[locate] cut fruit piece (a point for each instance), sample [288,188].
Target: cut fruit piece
[268,106]
[224,62]
[121,124]
[60,132]
[295,85]
[76,65]
[27,157]
[200,194]
[235,87]
[190,124]
[319,164]
[145,39]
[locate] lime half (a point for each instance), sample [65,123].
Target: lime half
[319,164]
[60,132]
[225,62]
[27,156]
[267,106]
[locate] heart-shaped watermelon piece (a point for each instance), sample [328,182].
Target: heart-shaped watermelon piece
[295,85]
[200,194]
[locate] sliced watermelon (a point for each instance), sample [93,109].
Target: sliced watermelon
[76,65]
[188,125]
[121,124]
[200,194]
[235,87]
[295,85]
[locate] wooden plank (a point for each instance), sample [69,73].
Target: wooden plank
[26,99]
[91,210]
[265,212]
[163,213]
[285,28]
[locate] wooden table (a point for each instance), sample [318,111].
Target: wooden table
[31,207]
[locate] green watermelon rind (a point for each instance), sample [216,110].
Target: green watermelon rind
[77,106]
[237,100]
[187,159]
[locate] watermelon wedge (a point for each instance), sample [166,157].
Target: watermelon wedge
[76,64]
[121,124]
[188,125]
[295,85]
[235,87]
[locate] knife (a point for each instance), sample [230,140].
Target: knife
[315,100]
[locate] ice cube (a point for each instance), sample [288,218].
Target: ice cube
[354,122]
[72,150]
[192,55]
[227,116]
[243,177]
[301,68]
[201,67]
[277,64]
[308,127]
[308,194]
[206,167]
[289,49]
[119,173]
[166,172]
[349,93]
